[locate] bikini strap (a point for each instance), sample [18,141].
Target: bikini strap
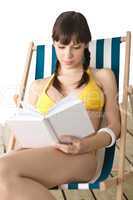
[48,83]
[90,73]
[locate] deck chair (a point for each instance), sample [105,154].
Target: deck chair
[104,53]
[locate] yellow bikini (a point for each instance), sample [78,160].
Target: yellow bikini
[91,95]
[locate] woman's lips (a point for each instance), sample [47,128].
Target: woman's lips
[67,62]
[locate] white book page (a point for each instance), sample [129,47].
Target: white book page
[73,121]
[27,113]
[31,128]
[32,133]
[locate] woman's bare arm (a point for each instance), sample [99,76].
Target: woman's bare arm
[102,139]
[98,140]
[112,112]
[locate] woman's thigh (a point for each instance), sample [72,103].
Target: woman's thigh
[50,166]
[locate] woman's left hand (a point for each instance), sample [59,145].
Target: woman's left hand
[71,144]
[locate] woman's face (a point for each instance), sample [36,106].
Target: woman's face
[70,55]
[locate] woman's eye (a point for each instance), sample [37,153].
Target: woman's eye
[76,47]
[61,47]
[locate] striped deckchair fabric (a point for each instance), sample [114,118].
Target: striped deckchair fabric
[105,53]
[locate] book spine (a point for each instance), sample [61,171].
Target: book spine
[51,129]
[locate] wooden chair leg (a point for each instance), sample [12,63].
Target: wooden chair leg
[131,102]
[115,180]
[123,111]
[108,183]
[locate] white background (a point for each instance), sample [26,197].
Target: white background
[23,21]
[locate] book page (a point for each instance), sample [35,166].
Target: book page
[31,129]
[73,121]
[28,110]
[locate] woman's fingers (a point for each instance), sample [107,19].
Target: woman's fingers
[67,139]
[68,148]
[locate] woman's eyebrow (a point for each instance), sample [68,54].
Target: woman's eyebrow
[77,44]
[73,44]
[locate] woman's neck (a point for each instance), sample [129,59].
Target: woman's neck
[71,71]
[69,78]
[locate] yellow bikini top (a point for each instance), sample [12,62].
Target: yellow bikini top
[91,95]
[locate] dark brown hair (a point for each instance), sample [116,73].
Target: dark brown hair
[67,26]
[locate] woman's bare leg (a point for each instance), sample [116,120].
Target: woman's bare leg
[28,174]
[25,189]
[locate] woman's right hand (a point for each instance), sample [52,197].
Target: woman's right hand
[69,144]
[16,99]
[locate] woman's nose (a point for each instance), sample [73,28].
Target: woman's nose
[68,53]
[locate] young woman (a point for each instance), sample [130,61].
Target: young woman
[28,174]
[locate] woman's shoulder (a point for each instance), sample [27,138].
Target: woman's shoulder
[39,84]
[101,71]
[103,76]
[36,89]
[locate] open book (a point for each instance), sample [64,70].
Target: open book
[67,117]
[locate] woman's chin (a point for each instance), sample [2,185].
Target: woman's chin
[69,65]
